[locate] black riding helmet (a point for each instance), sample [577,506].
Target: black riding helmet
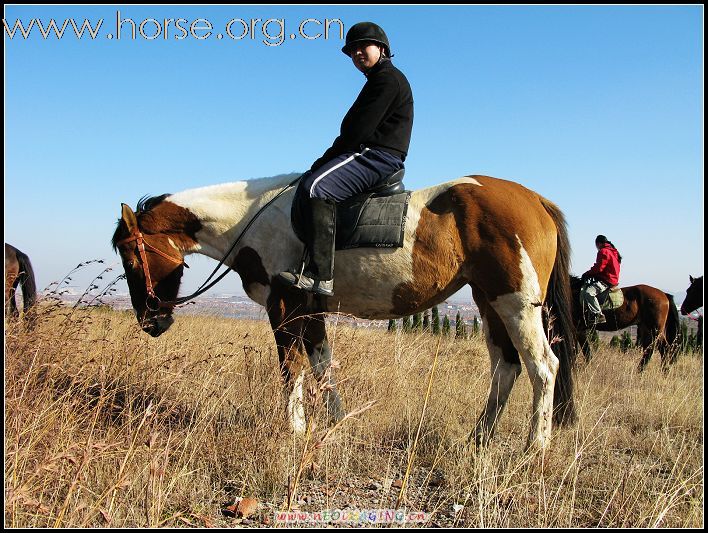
[366,31]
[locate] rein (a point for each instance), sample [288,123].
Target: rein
[695,319]
[204,287]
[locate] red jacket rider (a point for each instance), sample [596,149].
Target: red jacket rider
[607,265]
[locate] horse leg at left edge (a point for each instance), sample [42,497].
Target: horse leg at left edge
[10,295]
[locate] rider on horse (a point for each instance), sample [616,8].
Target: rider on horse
[372,145]
[603,275]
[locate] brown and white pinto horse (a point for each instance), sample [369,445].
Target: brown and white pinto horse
[653,312]
[507,242]
[18,272]
[694,296]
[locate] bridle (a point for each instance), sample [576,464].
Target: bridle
[141,244]
[698,316]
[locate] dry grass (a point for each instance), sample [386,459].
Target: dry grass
[105,426]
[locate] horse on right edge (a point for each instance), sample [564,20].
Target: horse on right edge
[694,296]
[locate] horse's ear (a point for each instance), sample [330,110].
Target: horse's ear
[129,218]
[691,278]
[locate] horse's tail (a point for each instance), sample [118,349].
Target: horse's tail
[672,323]
[562,330]
[26,278]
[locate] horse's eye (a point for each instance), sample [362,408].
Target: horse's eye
[131,263]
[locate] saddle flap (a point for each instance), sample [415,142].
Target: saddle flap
[611,298]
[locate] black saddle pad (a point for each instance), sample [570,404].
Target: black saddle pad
[364,221]
[378,221]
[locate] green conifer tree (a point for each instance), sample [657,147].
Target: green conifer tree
[446,326]
[459,327]
[417,322]
[436,321]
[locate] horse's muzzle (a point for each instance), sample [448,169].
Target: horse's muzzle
[157,325]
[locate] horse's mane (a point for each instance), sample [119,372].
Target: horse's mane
[146,203]
[252,187]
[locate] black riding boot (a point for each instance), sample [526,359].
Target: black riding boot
[324,226]
[318,276]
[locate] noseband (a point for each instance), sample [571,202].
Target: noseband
[142,243]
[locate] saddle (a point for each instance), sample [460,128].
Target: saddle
[376,218]
[610,299]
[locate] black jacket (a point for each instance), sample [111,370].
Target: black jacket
[381,117]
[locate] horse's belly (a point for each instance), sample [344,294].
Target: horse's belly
[365,281]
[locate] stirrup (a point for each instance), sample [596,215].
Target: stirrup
[323,287]
[306,283]
[297,279]
[599,319]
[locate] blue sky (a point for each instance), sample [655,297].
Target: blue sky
[598,108]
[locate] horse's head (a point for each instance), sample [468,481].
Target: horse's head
[153,263]
[694,296]
[576,284]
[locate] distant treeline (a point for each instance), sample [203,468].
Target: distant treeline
[429,321]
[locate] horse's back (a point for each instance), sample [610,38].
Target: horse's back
[495,220]
[494,234]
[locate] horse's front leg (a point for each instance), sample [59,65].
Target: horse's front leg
[290,350]
[298,334]
[287,322]
[584,341]
[320,355]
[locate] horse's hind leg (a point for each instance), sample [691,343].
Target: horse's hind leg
[522,316]
[11,298]
[505,368]
[647,346]
[668,355]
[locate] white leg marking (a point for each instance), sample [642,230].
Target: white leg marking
[524,322]
[296,409]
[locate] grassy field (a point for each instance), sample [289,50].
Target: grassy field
[108,427]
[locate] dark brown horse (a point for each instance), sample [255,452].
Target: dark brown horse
[694,296]
[18,272]
[651,310]
[507,242]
